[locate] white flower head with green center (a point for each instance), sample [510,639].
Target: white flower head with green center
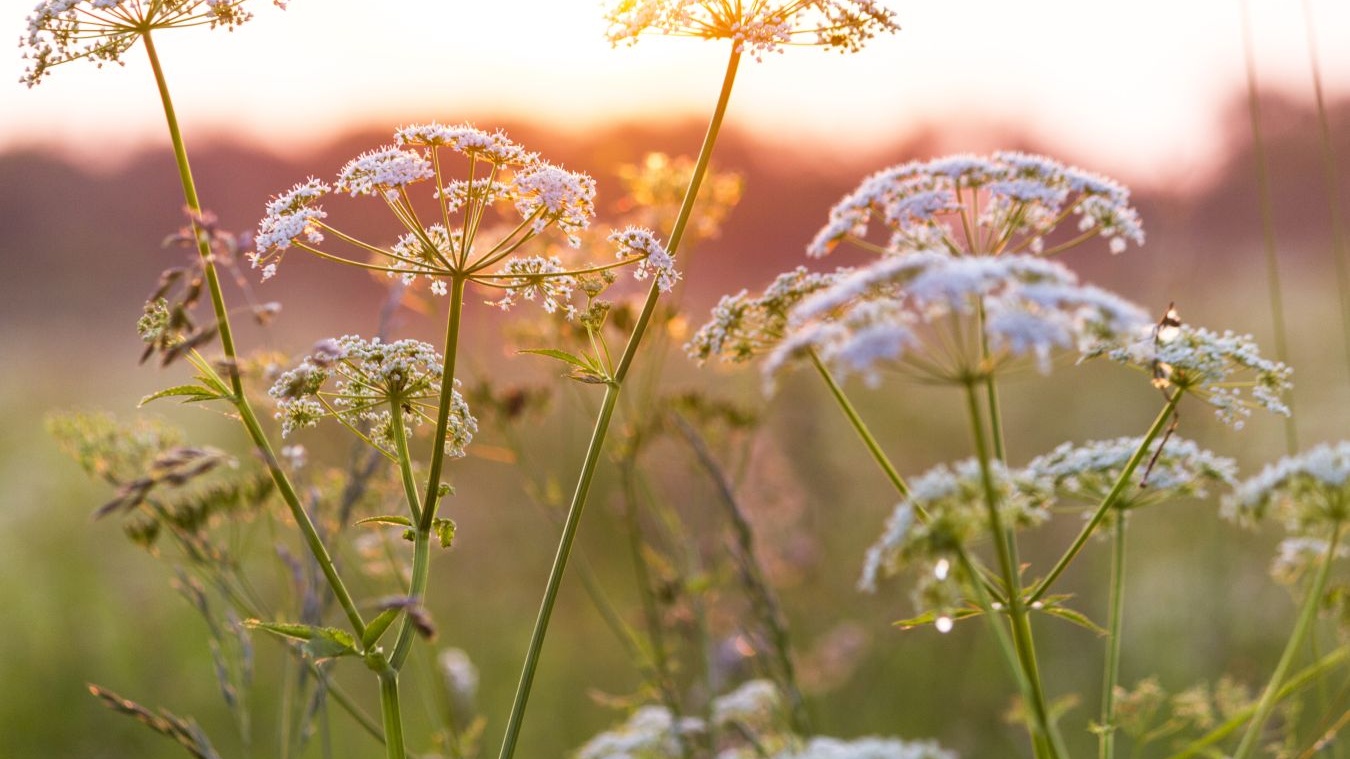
[60,31]
[1087,472]
[505,200]
[928,314]
[743,327]
[1308,493]
[756,707]
[360,382]
[951,500]
[972,205]
[756,26]
[1225,370]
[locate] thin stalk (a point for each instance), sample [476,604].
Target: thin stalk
[1042,732]
[393,717]
[311,536]
[1110,500]
[1338,232]
[602,422]
[1267,220]
[1106,746]
[1296,638]
[443,410]
[859,426]
[1315,671]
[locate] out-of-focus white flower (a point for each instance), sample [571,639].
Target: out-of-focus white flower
[1309,493]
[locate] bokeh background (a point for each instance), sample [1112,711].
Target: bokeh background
[1153,94]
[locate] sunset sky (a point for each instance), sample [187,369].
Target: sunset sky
[1133,88]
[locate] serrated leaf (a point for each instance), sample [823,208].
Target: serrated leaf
[389,519]
[193,393]
[377,628]
[589,377]
[931,617]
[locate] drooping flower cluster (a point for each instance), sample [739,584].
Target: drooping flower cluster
[970,205]
[950,319]
[1208,365]
[60,31]
[370,379]
[756,26]
[503,179]
[944,512]
[1088,471]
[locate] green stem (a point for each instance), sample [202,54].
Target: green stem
[393,717]
[1267,221]
[1110,500]
[1106,746]
[447,396]
[859,426]
[602,421]
[1296,638]
[1042,733]
[1313,672]
[250,419]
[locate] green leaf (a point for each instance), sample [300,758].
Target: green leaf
[1076,617]
[928,618]
[388,519]
[377,627]
[566,357]
[193,394]
[319,642]
[445,530]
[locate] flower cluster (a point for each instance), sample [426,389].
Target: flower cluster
[649,732]
[1007,203]
[503,178]
[60,31]
[1308,493]
[1087,472]
[370,379]
[1211,366]
[943,513]
[950,319]
[758,27]
[743,327]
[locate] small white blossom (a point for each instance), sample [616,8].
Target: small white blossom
[1309,493]
[743,327]
[550,194]
[867,748]
[651,731]
[382,171]
[652,256]
[1088,471]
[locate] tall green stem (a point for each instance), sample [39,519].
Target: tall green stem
[1110,500]
[238,399]
[602,422]
[1106,746]
[452,325]
[1296,639]
[393,717]
[1042,733]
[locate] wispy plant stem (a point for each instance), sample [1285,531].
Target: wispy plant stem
[1042,732]
[1110,500]
[859,426]
[1106,745]
[1296,638]
[238,399]
[1267,220]
[601,430]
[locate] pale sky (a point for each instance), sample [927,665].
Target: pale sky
[1129,88]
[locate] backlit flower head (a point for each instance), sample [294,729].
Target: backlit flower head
[973,205]
[359,382]
[929,314]
[60,31]
[1308,493]
[506,199]
[951,498]
[1088,471]
[756,26]
[1224,370]
[743,327]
